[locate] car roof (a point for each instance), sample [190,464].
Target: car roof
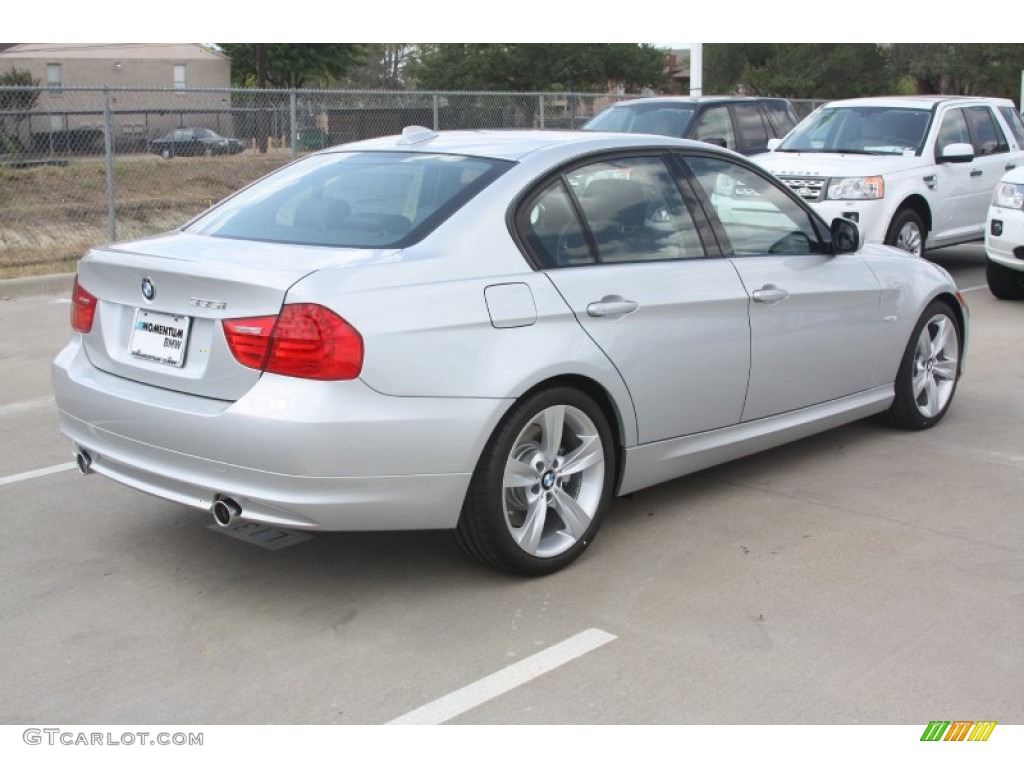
[511,145]
[696,100]
[916,102]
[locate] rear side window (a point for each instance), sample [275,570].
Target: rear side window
[988,137]
[1016,126]
[610,211]
[781,117]
[352,199]
[750,125]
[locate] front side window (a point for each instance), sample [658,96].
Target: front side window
[952,130]
[757,216]
[715,126]
[988,137]
[352,199]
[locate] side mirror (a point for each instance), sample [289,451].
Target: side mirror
[773,144]
[845,236]
[956,153]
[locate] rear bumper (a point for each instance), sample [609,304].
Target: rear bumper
[291,452]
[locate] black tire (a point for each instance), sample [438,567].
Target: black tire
[1005,283]
[929,371]
[907,232]
[528,510]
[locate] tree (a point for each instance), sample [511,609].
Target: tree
[15,105]
[538,66]
[969,69]
[293,65]
[383,66]
[798,70]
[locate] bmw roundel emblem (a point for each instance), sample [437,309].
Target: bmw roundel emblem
[148,289]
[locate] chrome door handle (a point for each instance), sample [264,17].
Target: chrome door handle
[769,294]
[611,306]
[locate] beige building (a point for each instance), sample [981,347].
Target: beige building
[163,71]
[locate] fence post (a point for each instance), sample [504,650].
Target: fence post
[540,100]
[437,122]
[293,116]
[108,149]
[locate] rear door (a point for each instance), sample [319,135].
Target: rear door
[619,241]
[814,317]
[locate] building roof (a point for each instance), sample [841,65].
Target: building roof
[177,51]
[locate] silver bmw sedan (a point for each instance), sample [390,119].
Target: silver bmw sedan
[491,332]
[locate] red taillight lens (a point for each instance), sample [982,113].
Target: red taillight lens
[306,340]
[83,308]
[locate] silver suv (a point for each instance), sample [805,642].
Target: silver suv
[913,171]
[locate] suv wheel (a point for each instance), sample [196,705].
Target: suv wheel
[907,232]
[1005,283]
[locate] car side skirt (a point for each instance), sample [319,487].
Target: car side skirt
[653,463]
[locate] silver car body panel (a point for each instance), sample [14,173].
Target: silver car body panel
[456,327]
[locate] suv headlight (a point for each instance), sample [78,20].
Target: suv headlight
[856,188]
[1008,195]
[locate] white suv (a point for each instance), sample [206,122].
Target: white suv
[1004,238]
[913,171]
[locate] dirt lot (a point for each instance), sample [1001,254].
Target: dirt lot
[51,214]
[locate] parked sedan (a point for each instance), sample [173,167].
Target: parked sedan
[490,332]
[186,142]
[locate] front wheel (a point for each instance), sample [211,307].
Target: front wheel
[907,232]
[929,371]
[542,484]
[1005,283]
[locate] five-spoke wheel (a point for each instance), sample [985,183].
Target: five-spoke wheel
[540,489]
[929,370]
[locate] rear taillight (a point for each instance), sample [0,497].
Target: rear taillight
[306,340]
[83,308]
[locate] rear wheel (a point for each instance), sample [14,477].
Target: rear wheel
[1005,283]
[929,371]
[541,487]
[907,232]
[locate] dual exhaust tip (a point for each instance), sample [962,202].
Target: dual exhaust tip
[225,509]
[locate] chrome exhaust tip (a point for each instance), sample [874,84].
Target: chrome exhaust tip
[225,510]
[84,462]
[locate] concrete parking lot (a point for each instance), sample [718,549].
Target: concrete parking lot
[865,575]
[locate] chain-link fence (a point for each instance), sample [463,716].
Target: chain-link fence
[81,166]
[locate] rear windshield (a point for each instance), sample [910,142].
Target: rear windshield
[661,119]
[352,199]
[860,130]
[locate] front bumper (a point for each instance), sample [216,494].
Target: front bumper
[292,452]
[1000,248]
[871,216]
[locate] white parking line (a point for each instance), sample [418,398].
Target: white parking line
[972,288]
[37,473]
[512,676]
[25,405]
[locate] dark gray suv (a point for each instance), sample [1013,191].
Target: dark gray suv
[743,124]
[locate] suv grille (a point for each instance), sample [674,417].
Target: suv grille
[810,189]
